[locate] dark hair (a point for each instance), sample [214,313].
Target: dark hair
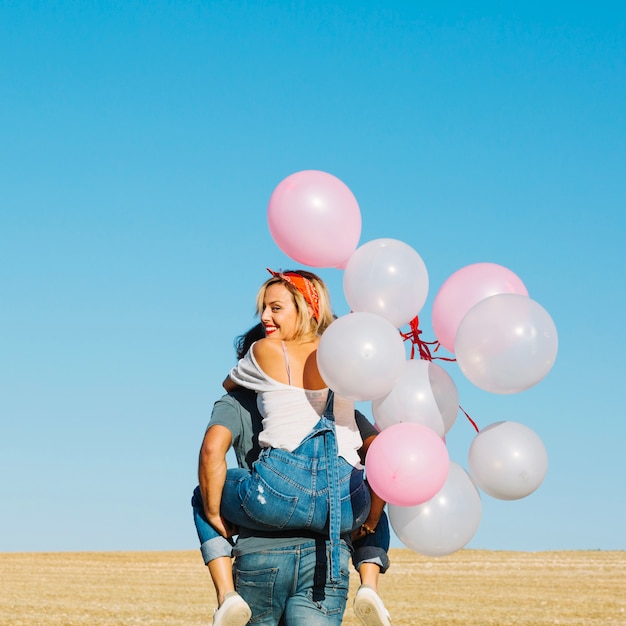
[243,342]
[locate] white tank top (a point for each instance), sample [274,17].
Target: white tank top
[289,413]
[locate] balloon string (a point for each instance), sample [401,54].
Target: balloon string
[425,353]
[472,422]
[422,346]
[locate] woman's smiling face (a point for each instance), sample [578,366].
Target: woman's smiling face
[279,316]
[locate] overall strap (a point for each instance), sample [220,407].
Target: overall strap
[332,474]
[330,406]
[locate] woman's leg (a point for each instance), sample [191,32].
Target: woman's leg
[370,558]
[289,491]
[216,553]
[212,544]
[373,549]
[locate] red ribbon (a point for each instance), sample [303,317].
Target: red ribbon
[423,347]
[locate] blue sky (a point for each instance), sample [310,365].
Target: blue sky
[140,143]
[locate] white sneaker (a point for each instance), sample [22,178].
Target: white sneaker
[369,608]
[233,612]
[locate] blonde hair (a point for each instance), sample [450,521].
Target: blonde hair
[307,327]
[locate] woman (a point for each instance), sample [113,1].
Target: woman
[309,473]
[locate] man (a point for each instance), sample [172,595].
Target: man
[281,576]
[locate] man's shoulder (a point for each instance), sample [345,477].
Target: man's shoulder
[241,400]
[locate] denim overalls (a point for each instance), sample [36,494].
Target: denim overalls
[311,488]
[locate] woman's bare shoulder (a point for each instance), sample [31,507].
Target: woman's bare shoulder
[266,347]
[269,357]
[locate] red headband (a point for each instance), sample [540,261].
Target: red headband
[304,286]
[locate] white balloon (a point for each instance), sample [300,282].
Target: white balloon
[425,394]
[386,277]
[360,356]
[506,343]
[446,522]
[508,460]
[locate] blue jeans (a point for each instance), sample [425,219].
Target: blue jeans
[369,549]
[212,544]
[311,488]
[290,490]
[287,491]
[291,586]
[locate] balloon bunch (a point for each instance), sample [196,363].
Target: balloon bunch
[504,342]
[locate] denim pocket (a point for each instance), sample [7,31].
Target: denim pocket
[267,506]
[256,587]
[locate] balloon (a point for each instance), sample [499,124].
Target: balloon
[507,460]
[506,343]
[314,218]
[407,464]
[465,288]
[386,277]
[360,356]
[446,522]
[424,394]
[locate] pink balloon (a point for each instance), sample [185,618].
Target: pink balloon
[315,219]
[407,464]
[465,288]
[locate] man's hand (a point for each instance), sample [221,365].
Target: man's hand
[223,526]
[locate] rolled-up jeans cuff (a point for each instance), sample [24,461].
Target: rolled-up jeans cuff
[370,554]
[215,548]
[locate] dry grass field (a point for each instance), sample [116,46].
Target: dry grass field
[470,587]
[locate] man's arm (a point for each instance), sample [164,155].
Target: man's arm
[378,504]
[229,385]
[212,475]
